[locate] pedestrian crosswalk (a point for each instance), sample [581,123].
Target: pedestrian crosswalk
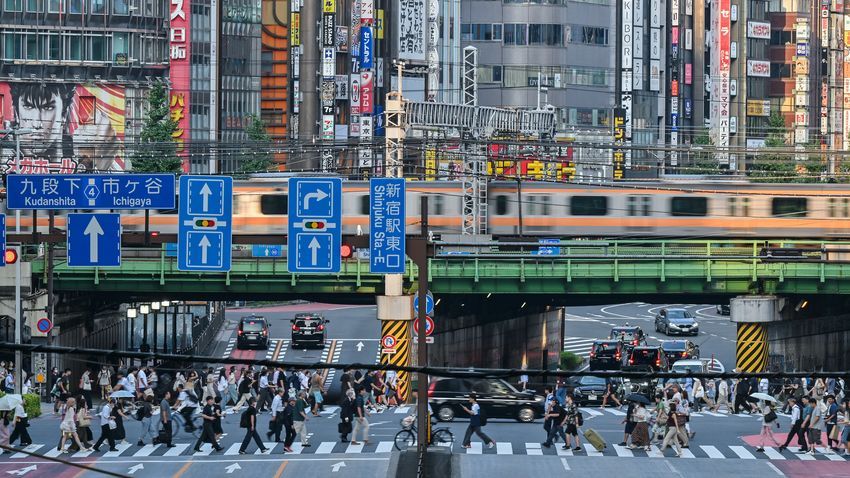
[712,452]
[578,345]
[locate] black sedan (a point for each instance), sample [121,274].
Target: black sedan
[676,322]
[497,398]
[679,350]
[589,389]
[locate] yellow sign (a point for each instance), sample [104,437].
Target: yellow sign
[329,6]
[430,164]
[295,29]
[801,65]
[40,378]
[758,108]
[380,25]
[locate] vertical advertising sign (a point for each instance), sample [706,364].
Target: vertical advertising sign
[412,27]
[366,91]
[328,29]
[355,94]
[328,63]
[619,137]
[367,11]
[626,37]
[720,66]
[367,50]
[180,74]
[295,29]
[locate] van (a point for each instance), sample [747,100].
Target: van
[253,332]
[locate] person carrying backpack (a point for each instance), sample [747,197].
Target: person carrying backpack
[476,421]
[248,421]
[144,414]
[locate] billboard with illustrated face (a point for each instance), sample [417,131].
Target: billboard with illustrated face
[74,127]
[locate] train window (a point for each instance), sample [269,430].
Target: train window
[738,206]
[537,205]
[838,207]
[688,206]
[436,204]
[790,207]
[501,205]
[588,206]
[638,205]
[364,204]
[274,204]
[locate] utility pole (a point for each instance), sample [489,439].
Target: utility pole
[421,342]
[311,64]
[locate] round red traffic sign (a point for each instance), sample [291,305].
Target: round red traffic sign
[429,326]
[388,342]
[44,325]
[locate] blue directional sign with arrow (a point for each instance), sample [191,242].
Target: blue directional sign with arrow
[3,239]
[205,232]
[94,240]
[315,225]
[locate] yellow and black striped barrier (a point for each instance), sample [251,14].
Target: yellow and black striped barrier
[751,348]
[400,331]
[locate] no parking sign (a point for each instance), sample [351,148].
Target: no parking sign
[388,343]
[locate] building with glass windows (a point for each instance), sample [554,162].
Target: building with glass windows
[565,46]
[75,72]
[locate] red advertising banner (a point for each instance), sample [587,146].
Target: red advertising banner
[179,55]
[367,104]
[689,73]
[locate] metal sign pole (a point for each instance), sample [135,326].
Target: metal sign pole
[422,352]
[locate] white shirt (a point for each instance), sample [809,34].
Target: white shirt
[277,405]
[763,385]
[126,384]
[10,381]
[19,411]
[475,409]
[305,382]
[795,414]
[187,399]
[143,380]
[264,381]
[131,382]
[105,414]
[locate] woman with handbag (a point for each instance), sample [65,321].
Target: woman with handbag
[107,425]
[84,422]
[85,385]
[768,419]
[68,427]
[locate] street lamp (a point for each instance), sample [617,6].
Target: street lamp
[155,307]
[132,313]
[166,303]
[145,310]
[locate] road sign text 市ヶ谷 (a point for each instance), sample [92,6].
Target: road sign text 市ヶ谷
[315,225]
[94,240]
[205,230]
[386,225]
[90,191]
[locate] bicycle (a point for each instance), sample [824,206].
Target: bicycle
[406,438]
[178,424]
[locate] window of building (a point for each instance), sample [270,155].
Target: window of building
[588,206]
[51,49]
[31,46]
[515,34]
[120,7]
[34,6]
[588,35]
[638,205]
[13,5]
[437,204]
[781,37]
[497,74]
[73,46]
[688,206]
[98,7]
[54,6]
[364,205]
[13,47]
[75,6]
[96,47]
[120,47]
[789,207]
[545,34]
[739,206]
[274,204]
[780,70]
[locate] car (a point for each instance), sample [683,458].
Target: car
[589,389]
[308,329]
[253,332]
[498,399]
[689,366]
[606,355]
[647,358]
[631,336]
[676,350]
[723,309]
[676,322]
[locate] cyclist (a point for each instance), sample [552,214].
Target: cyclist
[187,403]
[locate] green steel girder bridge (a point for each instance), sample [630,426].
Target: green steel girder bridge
[571,268]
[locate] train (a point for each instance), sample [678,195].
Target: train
[659,209]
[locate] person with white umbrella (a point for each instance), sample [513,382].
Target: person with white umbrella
[21,422]
[768,419]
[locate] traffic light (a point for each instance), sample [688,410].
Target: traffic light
[314,225]
[346,251]
[11,256]
[205,223]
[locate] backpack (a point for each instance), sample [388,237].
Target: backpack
[244,420]
[482,417]
[580,419]
[140,413]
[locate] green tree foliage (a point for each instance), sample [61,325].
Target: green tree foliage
[255,154]
[157,152]
[703,161]
[570,361]
[773,166]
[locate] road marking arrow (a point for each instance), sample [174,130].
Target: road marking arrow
[205,244]
[136,468]
[206,193]
[314,251]
[318,195]
[231,468]
[336,466]
[24,471]
[360,346]
[93,230]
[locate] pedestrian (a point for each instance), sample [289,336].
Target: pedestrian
[523,379]
[316,392]
[628,420]
[145,416]
[474,411]
[710,394]
[640,433]
[815,424]
[722,396]
[187,403]
[84,421]
[68,427]
[21,424]
[246,383]
[300,417]
[142,384]
[698,394]
[742,391]
[572,422]
[392,388]
[85,385]
[683,409]
[64,389]
[548,417]
[345,383]
[165,430]
[610,394]
[209,388]
[107,425]
[556,416]
[288,423]
[796,427]
[221,387]
[360,420]
[248,421]
[674,432]
[845,433]
[153,381]
[5,431]
[346,415]
[768,419]
[265,397]
[276,423]
[208,432]
[119,433]
[831,421]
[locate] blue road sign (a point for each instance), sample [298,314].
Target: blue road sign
[90,191]
[2,239]
[386,225]
[549,251]
[94,240]
[315,225]
[205,233]
[266,250]
[170,249]
[429,304]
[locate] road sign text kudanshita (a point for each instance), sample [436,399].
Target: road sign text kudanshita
[90,191]
[315,220]
[205,223]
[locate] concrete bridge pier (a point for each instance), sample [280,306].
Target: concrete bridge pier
[792,332]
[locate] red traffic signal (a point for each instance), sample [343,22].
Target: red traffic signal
[11,256]
[346,251]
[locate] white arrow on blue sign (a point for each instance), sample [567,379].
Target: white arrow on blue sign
[3,239]
[429,304]
[315,225]
[94,240]
[205,223]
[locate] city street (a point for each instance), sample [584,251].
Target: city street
[727,442]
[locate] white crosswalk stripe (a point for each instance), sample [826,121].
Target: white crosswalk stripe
[146,450]
[623,451]
[578,345]
[742,452]
[325,448]
[269,448]
[352,448]
[591,412]
[805,457]
[29,448]
[773,453]
[176,450]
[533,449]
[591,450]
[384,447]
[233,449]
[614,411]
[206,449]
[504,448]
[686,453]
[475,448]
[712,451]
